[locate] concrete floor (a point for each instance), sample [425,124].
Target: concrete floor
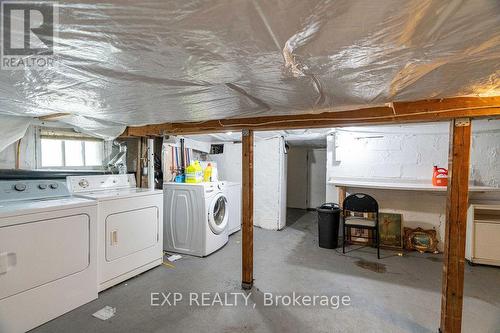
[394,294]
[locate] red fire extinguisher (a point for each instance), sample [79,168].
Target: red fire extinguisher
[440,176]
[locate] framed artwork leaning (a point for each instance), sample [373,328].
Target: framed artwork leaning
[390,228]
[421,240]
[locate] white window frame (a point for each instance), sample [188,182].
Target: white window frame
[80,137]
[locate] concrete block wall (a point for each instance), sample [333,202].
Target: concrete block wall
[409,153]
[485,156]
[269,178]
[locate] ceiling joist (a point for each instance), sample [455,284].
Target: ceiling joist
[396,113]
[54,116]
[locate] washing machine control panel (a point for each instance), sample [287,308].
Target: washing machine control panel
[79,184]
[11,190]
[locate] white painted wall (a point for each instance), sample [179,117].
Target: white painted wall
[316,191]
[485,154]
[409,153]
[269,178]
[229,163]
[297,178]
[283,184]
[307,177]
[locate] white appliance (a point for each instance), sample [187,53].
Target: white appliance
[483,234]
[130,225]
[232,191]
[48,261]
[196,218]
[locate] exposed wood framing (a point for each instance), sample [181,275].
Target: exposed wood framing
[399,112]
[456,222]
[395,113]
[138,171]
[54,116]
[143,162]
[247,210]
[18,154]
[341,194]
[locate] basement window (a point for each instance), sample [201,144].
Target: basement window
[68,149]
[217,149]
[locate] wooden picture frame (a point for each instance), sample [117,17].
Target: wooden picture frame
[359,236]
[390,228]
[421,240]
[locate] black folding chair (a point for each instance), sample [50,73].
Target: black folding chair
[365,204]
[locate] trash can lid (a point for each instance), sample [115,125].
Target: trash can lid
[328,207]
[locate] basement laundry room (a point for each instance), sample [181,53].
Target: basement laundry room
[249,166]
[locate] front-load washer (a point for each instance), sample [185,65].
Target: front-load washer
[232,190]
[48,252]
[130,225]
[196,218]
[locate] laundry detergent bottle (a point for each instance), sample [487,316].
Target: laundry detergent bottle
[191,173]
[207,174]
[198,172]
[439,176]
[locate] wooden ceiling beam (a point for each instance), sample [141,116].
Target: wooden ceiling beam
[396,113]
[53,116]
[455,103]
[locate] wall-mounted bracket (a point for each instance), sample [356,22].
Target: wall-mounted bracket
[462,122]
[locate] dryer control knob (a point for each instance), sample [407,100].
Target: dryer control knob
[54,186]
[83,183]
[20,187]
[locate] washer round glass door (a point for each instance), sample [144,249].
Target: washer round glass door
[218,214]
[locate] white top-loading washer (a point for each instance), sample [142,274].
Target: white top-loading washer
[196,218]
[130,225]
[48,252]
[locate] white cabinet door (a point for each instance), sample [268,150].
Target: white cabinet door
[36,253]
[131,231]
[487,239]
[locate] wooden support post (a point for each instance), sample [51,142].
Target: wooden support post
[341,195]
[456,222]
[138,171]
[247,227]
[342,192]
[142,162]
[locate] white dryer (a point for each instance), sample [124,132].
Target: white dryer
[48,260]
[130,225]
[232,191]
[196,218]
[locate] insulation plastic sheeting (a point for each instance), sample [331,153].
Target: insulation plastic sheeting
[12,129]
[125,62]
